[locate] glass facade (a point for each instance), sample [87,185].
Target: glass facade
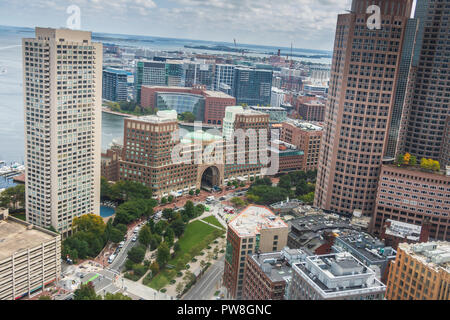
[181,102]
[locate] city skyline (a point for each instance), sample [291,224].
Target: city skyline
[305,23]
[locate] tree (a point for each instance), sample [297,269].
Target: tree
[435,165]
[170,198]
[13,197]
[116,296]
[105,189]
[252,198]
[191,192]
[168,214]
[160,226]
[238,202]
[163,200]
[229,184]
[116,235]
[285,182]
[176,247]
[155,241]
[197,192]
[406,158]
[136,254]
[307,198]
[126,190]
[163,254]
[86,292]
[169,236]
[187,117]
[179,288]
[137,109]
[89,223]
[154,267]
[413,161]
[178,227]
[145,235]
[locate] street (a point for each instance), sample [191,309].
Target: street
[206,286]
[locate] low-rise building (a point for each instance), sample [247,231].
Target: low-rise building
[267,275]
[337,276]
[395,232]
[255,230]
[312,111]
[30,257]
[276,114]
[421,271]
[411,194]
[306,137]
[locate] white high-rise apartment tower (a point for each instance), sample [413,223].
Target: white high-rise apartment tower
[62,77]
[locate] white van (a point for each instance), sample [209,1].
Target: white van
[210,199]
[111,258]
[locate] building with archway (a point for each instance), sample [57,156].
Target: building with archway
[172,162]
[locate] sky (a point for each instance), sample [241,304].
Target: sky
[306,24]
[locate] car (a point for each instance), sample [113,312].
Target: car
[134,239]
[222,198]
[121,244]
[82,275]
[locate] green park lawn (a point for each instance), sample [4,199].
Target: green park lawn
[213,220]
[193,239]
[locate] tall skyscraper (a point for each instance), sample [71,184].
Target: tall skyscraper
[365,70]
[62,77]
[430,103]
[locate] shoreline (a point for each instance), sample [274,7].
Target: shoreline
[125,115]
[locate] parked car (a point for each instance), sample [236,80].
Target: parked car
[134,239]
[121,244]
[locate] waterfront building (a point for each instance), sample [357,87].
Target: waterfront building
[255,230]
[420,272]
[364,72]
[149,142]
[62,75]
[30,257]
[149,73]
[223,75]
[410,194]
[115,85]
[207,106]
[252,86]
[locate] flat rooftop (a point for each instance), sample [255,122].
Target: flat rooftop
[217,94]
[435,254]
[254,218]
[403,230]
[274,266]
[15,237]
[304,125]
[339,274]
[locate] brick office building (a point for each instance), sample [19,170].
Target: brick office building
[208,106]
[420,272]
[409,194]
[255,229]
[306,137]
[312,111]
